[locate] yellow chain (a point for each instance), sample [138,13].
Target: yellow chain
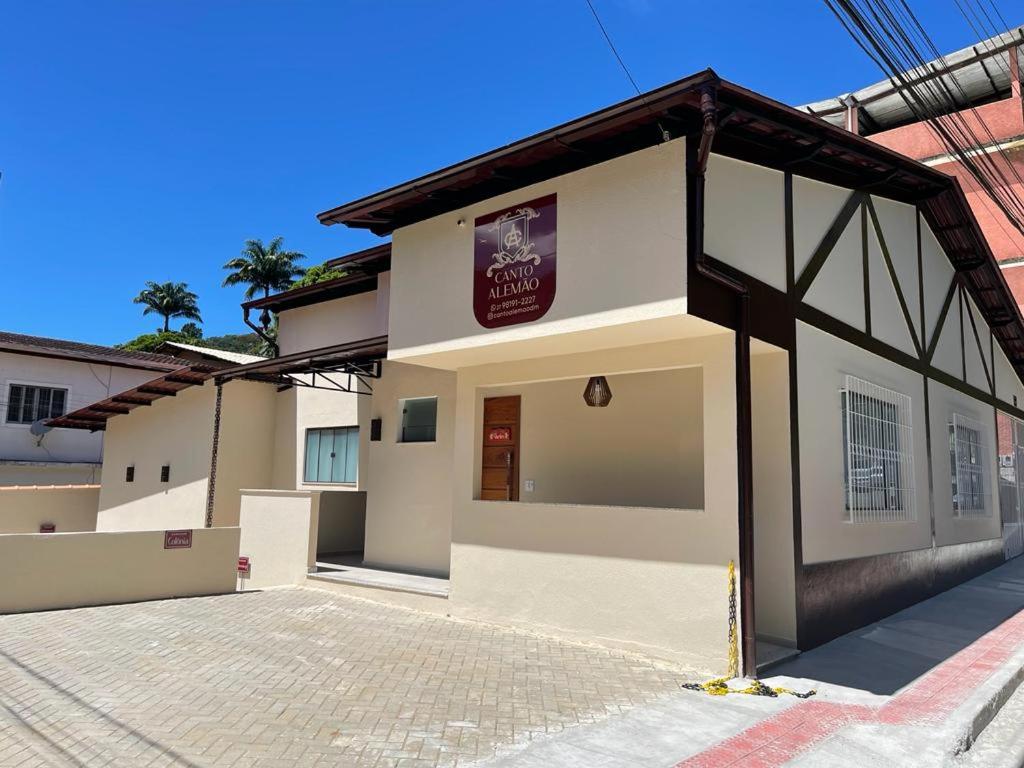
[734,646]
[719,686]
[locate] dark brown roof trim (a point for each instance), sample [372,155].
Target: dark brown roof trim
[85,353]
[350,285]
[94,417]
[362,268]
[377,257]
[753,128]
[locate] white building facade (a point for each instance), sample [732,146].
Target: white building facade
[44,378]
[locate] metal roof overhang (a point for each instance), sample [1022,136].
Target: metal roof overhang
[969,77]
[94,417]
[360,359]
[752,128]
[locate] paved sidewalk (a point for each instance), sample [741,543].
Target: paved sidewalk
[294,677]
[912,690]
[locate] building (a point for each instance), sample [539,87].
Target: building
[157,463]
[982,86]
[42,378]
[696,368]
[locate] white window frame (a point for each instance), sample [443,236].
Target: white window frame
[970,465]
[878,444]
[36,384]
[400,437]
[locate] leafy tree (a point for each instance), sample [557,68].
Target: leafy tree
[149,342]
[192,331]
[264,268]
[248,343]
[319,273]
[169,300]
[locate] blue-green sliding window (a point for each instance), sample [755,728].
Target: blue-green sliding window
[332,455]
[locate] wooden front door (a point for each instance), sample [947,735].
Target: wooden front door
[499,478]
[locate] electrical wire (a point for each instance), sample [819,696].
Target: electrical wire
[892,36]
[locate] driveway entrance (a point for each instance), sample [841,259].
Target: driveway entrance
[293,677]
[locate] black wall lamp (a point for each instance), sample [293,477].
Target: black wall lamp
[597,394]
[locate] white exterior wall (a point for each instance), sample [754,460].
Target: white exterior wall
[943,403]
[649,579]
[337,321]
[823,362]
[613,456]
[63,456]
[409,485]
[179,431]
[620,249]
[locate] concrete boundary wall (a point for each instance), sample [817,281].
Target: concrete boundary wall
[69,507]
[40,571]
[278,534]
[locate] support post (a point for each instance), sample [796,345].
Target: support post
[212,484]
[696,167]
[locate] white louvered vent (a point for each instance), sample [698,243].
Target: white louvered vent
[968,457]
[878,460]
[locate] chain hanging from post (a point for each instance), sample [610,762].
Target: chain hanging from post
[720,685]
[734,646]
[213,457]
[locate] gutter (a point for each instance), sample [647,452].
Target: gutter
[696,170]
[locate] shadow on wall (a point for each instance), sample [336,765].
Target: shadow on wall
[886,656]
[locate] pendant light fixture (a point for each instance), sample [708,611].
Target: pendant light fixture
[597,394]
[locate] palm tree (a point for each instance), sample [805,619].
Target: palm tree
[169,300]
[264,267]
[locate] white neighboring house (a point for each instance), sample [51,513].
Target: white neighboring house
[42,378]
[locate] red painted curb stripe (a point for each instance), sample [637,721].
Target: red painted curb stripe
[781,737]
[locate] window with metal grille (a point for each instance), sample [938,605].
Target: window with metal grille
[968,461]
[26,403]
[878,460]
[332,455]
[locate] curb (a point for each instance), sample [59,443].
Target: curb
[973,720]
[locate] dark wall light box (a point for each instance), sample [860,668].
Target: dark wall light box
[375,430]
[165,473]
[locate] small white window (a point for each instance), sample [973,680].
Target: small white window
[26,404]
[419,420]
[878,460]
[968,461]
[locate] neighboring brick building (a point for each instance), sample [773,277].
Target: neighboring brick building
[989,73]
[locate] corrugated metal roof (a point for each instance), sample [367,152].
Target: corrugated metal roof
[220,354]
[981,71]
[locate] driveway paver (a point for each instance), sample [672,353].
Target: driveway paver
[293,677]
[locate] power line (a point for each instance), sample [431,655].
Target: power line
[611,45]
[890,33]
[608,39]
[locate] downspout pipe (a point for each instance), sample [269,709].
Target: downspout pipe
[697,163]
[260,332]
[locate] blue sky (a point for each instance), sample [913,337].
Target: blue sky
[147,140]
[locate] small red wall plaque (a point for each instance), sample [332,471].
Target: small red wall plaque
[499,435]
[244,566]
[514,263]
[178,539]
[47,528]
